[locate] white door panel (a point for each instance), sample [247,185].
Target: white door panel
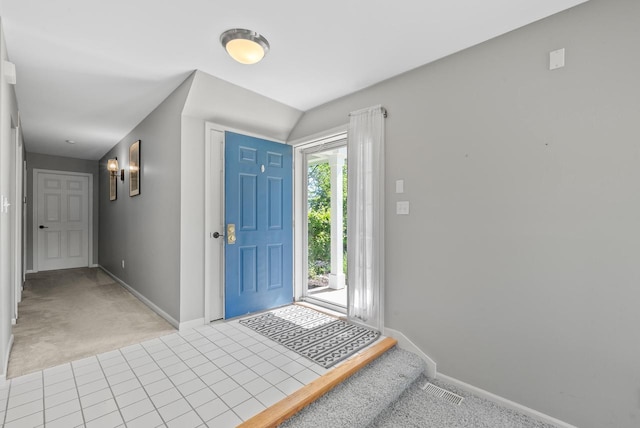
[19,218]
[62,221]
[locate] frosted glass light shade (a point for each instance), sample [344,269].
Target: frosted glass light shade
[112,165]
[245,51]
[245,46]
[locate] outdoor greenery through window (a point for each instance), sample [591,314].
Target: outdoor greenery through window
[320,221]
[327,234]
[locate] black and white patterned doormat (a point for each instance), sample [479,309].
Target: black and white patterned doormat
[321,338]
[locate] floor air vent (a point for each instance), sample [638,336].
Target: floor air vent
[443,393]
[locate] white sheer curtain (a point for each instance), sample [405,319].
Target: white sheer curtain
[365,217]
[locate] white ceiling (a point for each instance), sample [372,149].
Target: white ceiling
[90,70]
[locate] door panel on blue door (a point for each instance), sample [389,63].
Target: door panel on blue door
[249,205]
[275,266]
[258,193]
[248,280]
[276,214]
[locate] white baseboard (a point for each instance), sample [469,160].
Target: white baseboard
[30,271]
[408,345]
[143,299]
[94,265]
[539,416]
[3,376]
[191,324]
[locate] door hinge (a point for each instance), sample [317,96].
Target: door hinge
[5,204]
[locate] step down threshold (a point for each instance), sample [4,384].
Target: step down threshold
[289,406]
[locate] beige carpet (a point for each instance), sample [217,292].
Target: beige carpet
[70,314]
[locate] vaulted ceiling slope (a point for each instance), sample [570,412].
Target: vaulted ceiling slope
[89,71]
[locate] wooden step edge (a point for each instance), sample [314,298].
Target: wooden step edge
[289,406]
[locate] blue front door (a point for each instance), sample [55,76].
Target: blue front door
[258,263]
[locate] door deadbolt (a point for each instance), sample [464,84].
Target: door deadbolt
[231,233]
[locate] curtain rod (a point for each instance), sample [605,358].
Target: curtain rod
[382,109]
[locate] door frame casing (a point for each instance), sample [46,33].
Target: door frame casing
[334,142]
[208,210]
[300,147]
[34,251]
[213,126]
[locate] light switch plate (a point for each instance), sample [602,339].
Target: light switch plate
[399,186]
[402,207]
[556,59]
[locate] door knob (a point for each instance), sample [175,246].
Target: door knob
[44,227]
[217,235]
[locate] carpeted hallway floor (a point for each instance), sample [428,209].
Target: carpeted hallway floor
[70,314]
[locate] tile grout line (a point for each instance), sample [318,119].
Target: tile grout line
[143,388]
[111,390]
[188,342]
[73,373]
[259,375]
[255,337]
[172,382]
[230,377]
[44,402]
[44,396]
[24,404]
[6,406]
[220,368]
[273,345]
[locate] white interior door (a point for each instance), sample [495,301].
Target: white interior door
[19,207]
[13,235]
[24,222]
[214,248]
[62,221]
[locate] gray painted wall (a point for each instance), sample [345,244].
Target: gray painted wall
[224,103]
[517,269]
[144,230]
[59,163]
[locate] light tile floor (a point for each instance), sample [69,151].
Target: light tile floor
[217,375]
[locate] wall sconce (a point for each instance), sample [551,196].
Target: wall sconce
[112,166]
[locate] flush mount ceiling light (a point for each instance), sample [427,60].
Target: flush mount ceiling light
[245,46]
